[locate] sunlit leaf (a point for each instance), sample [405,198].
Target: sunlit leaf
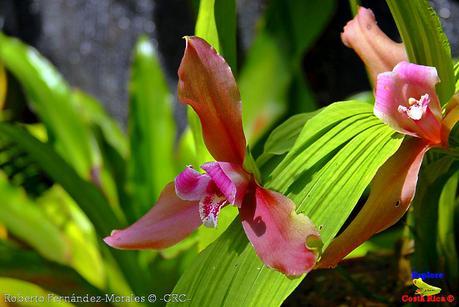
[326,171]
[84,255]
[151,130]
[425,41]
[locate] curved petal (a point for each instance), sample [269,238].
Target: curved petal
[392,191]
[207,84]
[410,87]
[277,233]
[167,223]
[191,184]
[377,51]
[230,179]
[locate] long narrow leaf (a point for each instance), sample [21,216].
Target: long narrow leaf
[151,130]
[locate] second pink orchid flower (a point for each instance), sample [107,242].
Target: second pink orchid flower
[405,99]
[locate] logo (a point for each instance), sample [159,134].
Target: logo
[424,289]
[426,293]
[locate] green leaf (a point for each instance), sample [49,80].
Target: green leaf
[325,172]
[24,219]
[86,195]
[13,289]
[151,130]
[79,233]
[263,83]
[3,85]
[425,41]
[94,115]
[50,97]
[216,24]
[446,243]
[456,75]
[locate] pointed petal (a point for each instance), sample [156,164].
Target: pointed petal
[377,51]
[277,233]
[392,191]
[167,223]
[191,184]
[395,90]
[230,179]
[207,84]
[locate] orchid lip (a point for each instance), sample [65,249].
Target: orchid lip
[417,108]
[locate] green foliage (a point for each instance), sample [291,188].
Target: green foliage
[425,41]
[16,288]
[151,130]
[328,167]
[271,81]
[88,197]
[216,23]
[23,218]
[50,96]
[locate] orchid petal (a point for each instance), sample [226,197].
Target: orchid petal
[406,101]
[392,191]
[277,233]
[191,184]
[167,223]
[208,86]
[230,179]
[377,51]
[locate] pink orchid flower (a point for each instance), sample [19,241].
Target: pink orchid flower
[405,99]
[277,233]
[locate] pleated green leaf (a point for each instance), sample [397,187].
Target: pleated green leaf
[151,130]
[50,97]
[325,172]
[425,41]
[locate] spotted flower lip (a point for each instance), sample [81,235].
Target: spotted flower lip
[278,234]
[406,100]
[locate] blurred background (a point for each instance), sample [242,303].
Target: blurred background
[92,44]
